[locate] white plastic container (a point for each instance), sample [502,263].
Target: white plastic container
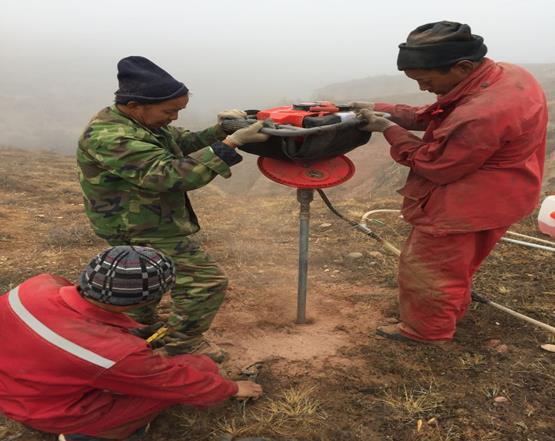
[546,216]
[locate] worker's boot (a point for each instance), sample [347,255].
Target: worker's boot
[395,332]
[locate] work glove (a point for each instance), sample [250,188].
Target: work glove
[375,121]
[358,105]
[248,135]
[231,114]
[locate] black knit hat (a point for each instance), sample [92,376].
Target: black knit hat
[440,44]
[143,81]
[127,275]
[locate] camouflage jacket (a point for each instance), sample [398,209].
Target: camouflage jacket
[135,180]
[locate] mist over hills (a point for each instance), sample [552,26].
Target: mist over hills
[51,114]
[399,88]
[41,117]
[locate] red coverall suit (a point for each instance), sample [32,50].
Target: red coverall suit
[68,366]
[477,170]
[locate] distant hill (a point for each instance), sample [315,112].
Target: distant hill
[381,88]
[399,88]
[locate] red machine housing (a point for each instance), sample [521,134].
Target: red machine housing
[295,114]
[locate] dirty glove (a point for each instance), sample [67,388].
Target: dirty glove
[247,135]
[358,105]
[376,122]
[231,114]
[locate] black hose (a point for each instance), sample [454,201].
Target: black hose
[476,297]
[353,223]
[479,298]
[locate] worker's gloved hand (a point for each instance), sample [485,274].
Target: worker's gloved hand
[375,121]
[358,105]
[231,114]
[247,135]
[146,331]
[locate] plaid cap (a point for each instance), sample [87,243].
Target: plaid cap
[127,275]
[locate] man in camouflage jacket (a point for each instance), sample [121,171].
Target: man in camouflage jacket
[135,171]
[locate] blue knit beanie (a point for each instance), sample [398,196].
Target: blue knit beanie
[143,81]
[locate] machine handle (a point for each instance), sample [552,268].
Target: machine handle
[286,131]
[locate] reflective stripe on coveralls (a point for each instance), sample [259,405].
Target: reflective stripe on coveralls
[52,337]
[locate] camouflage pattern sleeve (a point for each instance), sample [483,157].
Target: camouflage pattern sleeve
[151,160]
[192,141]
[135,180]
[154,168]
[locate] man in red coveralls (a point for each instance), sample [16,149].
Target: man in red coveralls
[71,364]
[476,170]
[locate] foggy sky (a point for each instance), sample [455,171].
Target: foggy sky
[58,57]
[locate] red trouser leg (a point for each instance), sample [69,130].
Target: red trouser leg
[130,413]
[435,275]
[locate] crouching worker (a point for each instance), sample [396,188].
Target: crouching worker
[71,364]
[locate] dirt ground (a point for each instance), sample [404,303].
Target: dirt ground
[331,379]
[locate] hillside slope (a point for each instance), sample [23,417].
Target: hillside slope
[332,379]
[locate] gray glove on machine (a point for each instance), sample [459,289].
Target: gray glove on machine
[376,120]
[246,135]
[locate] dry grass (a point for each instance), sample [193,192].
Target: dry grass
[421,410]
[70,235]
[413,404]
[295,411]
[14,185]
[494,390]
[472,360]
[292,414]
[10,430]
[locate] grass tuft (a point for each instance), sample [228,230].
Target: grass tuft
[295,411]
[413,404]
[79,234]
